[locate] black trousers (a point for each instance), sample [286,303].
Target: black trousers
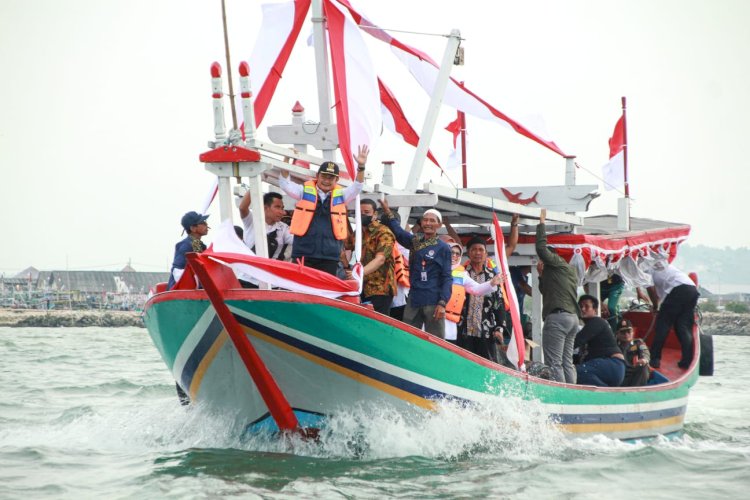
[678,311]
[327,266]
[381,303]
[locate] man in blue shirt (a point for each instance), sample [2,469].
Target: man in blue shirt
[196,227]
[429,272]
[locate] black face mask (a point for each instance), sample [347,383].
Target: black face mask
[366,220]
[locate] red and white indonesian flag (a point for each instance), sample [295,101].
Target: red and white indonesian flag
[456,156]
[229,250]
[614,171]
[355,85]
[425,71]
[279,30]
[517,345]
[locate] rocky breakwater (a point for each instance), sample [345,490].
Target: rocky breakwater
[32,317]
[724,323]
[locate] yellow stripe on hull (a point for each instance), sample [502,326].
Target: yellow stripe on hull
[389,389]
[609,427]
[200,372]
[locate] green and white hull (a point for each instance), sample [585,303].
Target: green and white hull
[326,355]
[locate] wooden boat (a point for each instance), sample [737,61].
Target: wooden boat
[285,360]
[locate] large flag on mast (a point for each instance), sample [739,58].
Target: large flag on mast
[395,119]
[425,71]
[517,346]
[613,171]
[355,86]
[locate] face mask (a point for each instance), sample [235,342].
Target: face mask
[366,219]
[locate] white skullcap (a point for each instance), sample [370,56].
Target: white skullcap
[435,213]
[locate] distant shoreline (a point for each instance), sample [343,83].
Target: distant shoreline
[720,323]
[56,318]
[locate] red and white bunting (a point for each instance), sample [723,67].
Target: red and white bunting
[517,346]
[355,86]
[278,33]
[425,71]
[395,119]
[228,249]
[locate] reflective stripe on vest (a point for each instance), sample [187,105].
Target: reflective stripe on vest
[304,211]
[400,267]
[458,295]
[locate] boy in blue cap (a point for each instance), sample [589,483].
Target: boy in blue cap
[196,227]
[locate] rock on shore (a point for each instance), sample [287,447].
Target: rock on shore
[33,317]
[719,323]
[725,323]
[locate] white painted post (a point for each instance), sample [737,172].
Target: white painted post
[387,173]
[321,67]
[298,120]
[217,92]
[623,214]
[428,127]
[246,94]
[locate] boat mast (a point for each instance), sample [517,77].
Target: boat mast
[623,204]
[322,73]
[438,92]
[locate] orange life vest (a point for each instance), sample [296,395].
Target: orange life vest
[305,209]
[458,295]
[400,267]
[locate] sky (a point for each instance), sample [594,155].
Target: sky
[105,107]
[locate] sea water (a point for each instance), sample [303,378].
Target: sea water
[92,412]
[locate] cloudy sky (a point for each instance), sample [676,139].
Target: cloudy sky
[105,106]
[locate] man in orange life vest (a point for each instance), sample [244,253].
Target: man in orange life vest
[319,220]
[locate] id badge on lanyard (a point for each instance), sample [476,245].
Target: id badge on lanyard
[423,274]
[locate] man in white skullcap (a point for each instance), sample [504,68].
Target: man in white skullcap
[429,272]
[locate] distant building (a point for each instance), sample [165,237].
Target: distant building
[127,289]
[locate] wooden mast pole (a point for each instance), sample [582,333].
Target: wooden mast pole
[229,64]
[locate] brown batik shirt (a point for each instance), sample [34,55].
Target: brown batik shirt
[379,239]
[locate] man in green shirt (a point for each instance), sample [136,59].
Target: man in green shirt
[558,283]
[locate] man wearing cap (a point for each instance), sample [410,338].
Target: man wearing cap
[196,227]
[560,312]
[319,223]
[429,272]
[636,355]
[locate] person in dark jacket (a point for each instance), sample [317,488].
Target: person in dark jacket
[196,227]
[319,223]
[429,272]
[558,284]
[603,364]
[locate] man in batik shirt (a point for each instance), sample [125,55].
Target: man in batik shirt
[483,320]
[377,259]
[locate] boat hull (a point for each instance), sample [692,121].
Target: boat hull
[328,355]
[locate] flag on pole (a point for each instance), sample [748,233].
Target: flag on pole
[455,158]
[517,346]
[614,171]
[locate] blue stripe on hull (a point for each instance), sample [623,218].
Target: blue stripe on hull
[368,371]
[617,418]
[205,343]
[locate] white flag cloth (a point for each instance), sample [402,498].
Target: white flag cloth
[614,171]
